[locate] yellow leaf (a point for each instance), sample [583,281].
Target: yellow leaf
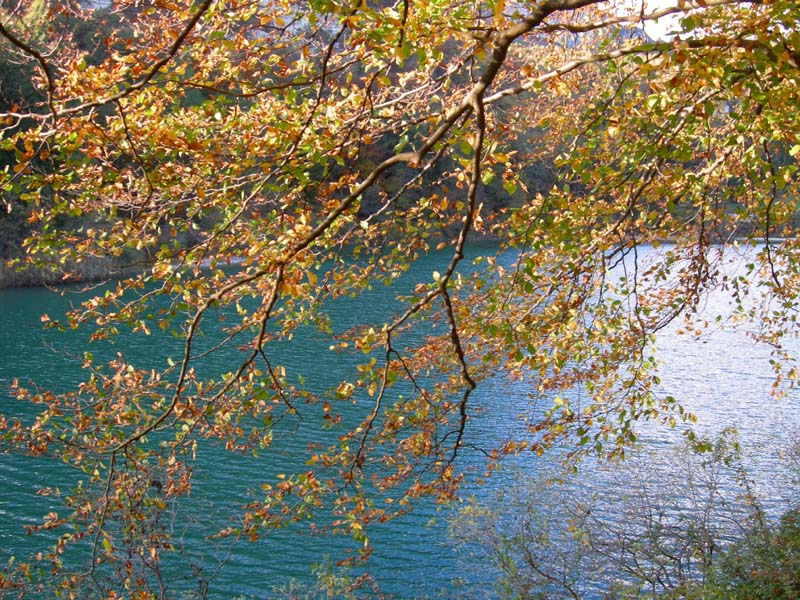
[499,5]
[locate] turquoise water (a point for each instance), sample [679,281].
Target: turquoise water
[723,378]
[412,556]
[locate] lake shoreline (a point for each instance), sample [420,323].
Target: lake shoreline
[91,271]
[103,269]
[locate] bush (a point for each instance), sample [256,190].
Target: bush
[765,565]
[682,525]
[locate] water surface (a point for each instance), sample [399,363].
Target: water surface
[722,377]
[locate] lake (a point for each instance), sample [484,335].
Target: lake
[722,377]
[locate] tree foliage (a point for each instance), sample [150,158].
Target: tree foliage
[244,164]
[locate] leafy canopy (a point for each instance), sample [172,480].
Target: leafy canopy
[240,165]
